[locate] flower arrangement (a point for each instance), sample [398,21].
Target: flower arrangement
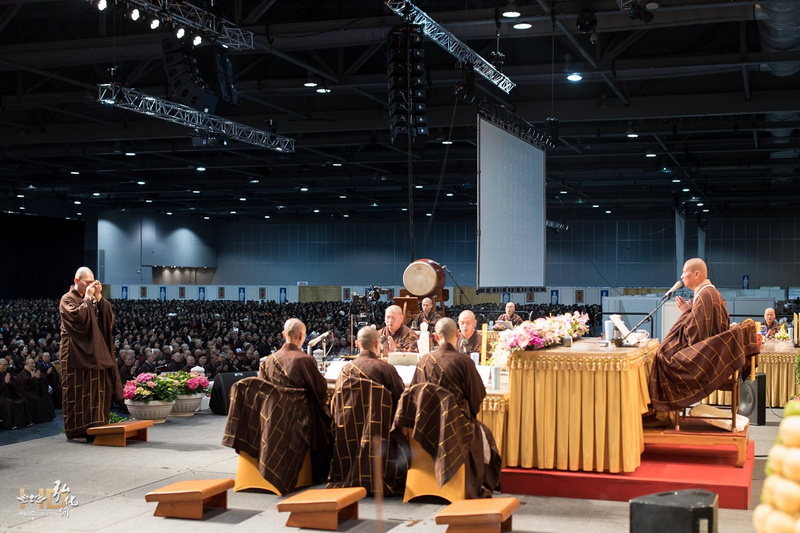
[147,387]
[782,334]
[540,333]
[497,326]
[190,382]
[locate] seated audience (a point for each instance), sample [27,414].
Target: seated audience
[50,374]
[14,411]
[364,403]
[34,390]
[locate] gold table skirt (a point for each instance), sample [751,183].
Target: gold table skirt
[777,360]
[578,408]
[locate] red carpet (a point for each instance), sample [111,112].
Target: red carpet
[663,468]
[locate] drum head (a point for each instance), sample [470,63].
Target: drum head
[420,278]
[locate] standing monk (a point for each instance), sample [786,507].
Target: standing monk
[89,371]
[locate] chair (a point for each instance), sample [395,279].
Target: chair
[732,385]
[249,477]
[421,478]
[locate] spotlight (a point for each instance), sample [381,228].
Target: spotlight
[102,4]
[511,11]
[134,14]
[587,21]
[639,12]
[197,40]
[180,33]
[154,24]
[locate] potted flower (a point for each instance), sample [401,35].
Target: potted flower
[191,388]
[150,397]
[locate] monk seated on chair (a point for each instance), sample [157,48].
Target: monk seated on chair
[446,394]
[281,414]
[396,336]
[701,351]
[364,403]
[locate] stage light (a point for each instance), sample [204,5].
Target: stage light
[154,24]
[522,26]
[310,82]
[134,14]
[180,33]
[197,40]
[511,10]
[574,76]
[201,169]
[640,13]
[650,153]
[587,21]
[102,4]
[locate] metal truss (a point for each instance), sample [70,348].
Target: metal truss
[414,15]
[139,102]
[210,26]
[625,5]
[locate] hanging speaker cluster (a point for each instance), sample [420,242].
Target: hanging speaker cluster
[405,62]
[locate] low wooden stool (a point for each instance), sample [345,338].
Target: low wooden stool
[186,499]
[322,508]
[478,516]
[119,433]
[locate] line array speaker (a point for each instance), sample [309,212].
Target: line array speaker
[405,64]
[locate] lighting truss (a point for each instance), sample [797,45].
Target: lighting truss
[625,5]
[414,15]
[139,102]
[216,29]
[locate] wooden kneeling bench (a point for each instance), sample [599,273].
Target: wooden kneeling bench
[478,516]
[186,499]
[119,433]
[322,508]
[695,432]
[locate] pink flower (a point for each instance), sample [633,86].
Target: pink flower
[151,384]
[192,383]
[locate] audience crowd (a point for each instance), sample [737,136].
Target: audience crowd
[155,336]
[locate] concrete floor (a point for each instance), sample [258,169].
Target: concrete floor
[108,485]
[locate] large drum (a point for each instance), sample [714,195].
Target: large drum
[423,277]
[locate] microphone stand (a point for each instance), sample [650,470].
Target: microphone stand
[647,317]
[460,290]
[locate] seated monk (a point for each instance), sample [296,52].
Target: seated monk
[428,314]
[772,326]
[701,350]
[444,377]
[364,403]
[13,409]
[281,414]
[469,339]
[396,336]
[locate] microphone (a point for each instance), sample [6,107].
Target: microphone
[318,339]
[671,291]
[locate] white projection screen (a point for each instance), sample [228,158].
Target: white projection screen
[511,210]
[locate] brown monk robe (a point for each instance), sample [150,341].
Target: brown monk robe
[13,409]
[450,370]
[90,378]
[256,414]
[364,404]
[33,389]
[700,351]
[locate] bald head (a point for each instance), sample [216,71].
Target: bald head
[83,272]
[394,318]
[695,272]
[368,339]
[467,323]
[446,331]
[294,331]
[83,278]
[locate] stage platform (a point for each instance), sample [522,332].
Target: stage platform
[664,468]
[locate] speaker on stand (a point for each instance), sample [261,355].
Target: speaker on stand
[220,392]
[753,399]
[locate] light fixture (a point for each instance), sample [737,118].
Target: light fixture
[449,194]
[197,40]
[266,216]
[522,26]
[637,11]
[563,192]
[447,142]
[586,21]
[342,196]
[574,76]
[595,205]
[148,201]
[130,154]
[102,4]
[511,11]
[201,169]
[311,81]
[206,218]
[77,202]
[316,210]
[180,32]
[195,192]
[650,153]
[323,89]
[20,196]
[74,172]
[233,212]
[374,204]
[631,133]
[141,183]
[699,204]
[242,199]
[254,180]
[303,189]
[169,212]
[346,215]
[428,214]
[404,209]
[337,164]
[608,211]
[95,194]
[676,180]
[154,24]
[685,189]
[417,186]
[134,14]
[705,210]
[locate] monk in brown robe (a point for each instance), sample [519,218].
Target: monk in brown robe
[364,404]
[252,416]
[469,340]
[90,378]
[396,336]
[13,409]
[449,369]
[428,314]
[510,315]
[701,350]
[33,389]
[770,323]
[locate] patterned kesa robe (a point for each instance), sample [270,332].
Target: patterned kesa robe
[405,339]
[699,353]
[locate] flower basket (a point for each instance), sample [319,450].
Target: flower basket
[155,410]
[186,404]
